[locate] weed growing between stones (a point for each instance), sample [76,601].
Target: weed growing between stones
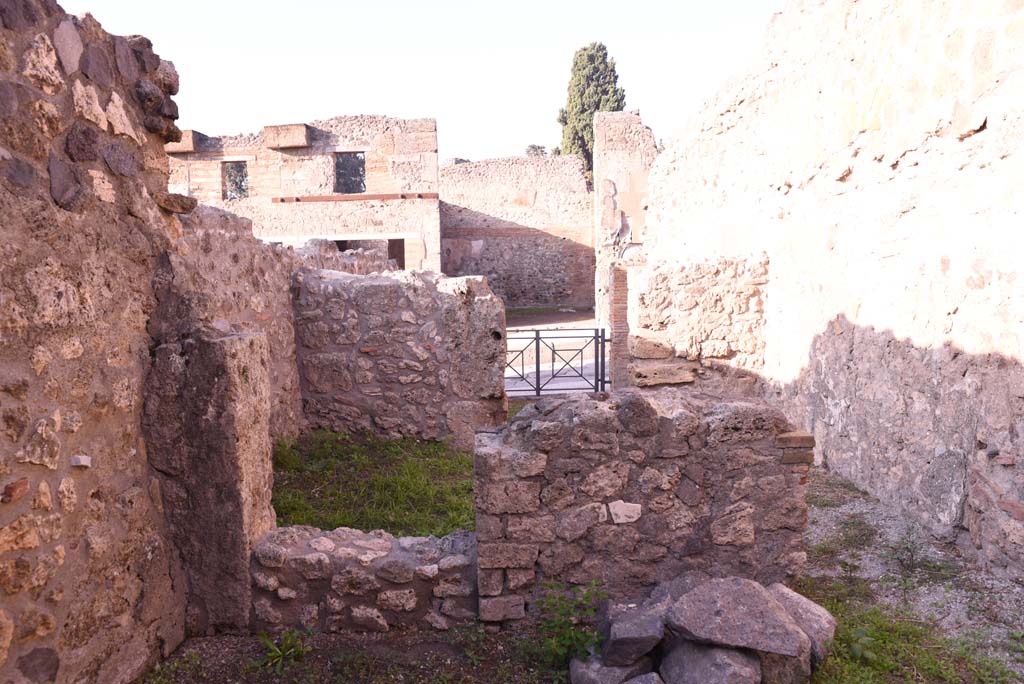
[566,628]
[289,649]
[405,486]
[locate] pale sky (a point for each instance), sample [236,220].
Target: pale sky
[493,74]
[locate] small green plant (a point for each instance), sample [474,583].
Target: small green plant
[289,650]
[188,667]
[860,646]
[567,626]
[1016,639]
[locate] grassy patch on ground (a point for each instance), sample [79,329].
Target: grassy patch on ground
[878,644]
[825,490]
[406,486]
[853,535]
[517,405]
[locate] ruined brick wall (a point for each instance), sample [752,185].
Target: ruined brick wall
[624,150]
[402,354]
[400,157]
[348,580]
[697,315]
[525,224]
[873,153]
[92,589]
[634,489]
[220,277]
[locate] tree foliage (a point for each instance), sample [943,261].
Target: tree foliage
[536,151]
[593,87]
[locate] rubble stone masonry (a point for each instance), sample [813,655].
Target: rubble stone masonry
[92,589]
[400,354]
[633,489]
[873,153]
[523,222]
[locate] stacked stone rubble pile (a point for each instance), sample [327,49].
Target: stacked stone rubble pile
[634,488]
[698,630]
[347,580]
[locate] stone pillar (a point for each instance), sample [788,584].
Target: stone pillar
[207,427]
[624,151]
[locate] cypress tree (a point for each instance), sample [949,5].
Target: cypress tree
[593,87]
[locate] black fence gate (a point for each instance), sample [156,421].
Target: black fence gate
[555,361]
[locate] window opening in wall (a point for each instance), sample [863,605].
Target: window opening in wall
[396,251]
[342,245]
[349,172]
[236,180]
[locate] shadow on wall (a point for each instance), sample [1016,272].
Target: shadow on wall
[937,433]
[525,266]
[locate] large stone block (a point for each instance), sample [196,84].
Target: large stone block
[286,136]
[188,143]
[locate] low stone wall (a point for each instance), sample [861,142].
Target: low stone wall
[218,276]
[636,488]
[403,354]
[345,580]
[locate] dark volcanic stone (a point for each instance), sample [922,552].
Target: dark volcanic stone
[143,49]
[96,65]
[150,96]
[121,160]
[690,663]
[82,142]
[39,665]
[8,99]
[18,172]
[638,416]
[126,61]
[18,14]
[65,187]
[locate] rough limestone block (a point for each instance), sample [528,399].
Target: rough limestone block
[816,622]
[593,671]
[623,512]
[670,372]
[632,636]
[286,136]
[796,439]
[741,613]
[690,663]
[81,461]
[185,145]
[501,608]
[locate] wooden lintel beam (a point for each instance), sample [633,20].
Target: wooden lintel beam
[356,197]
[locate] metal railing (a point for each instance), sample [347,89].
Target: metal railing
[554,361]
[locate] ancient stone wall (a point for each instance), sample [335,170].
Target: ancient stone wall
[635,489]
[92,590]
[400,157]
[401,354]
[523,222]
[624,150]
[695,315]
[219,277]
[206,422]
[348,580]
[873,154]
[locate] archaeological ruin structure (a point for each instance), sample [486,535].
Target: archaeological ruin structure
[823,268]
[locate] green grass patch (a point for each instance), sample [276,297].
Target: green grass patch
[517,405]
[825,490]
[405,486]
[878,644]
[853,534]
